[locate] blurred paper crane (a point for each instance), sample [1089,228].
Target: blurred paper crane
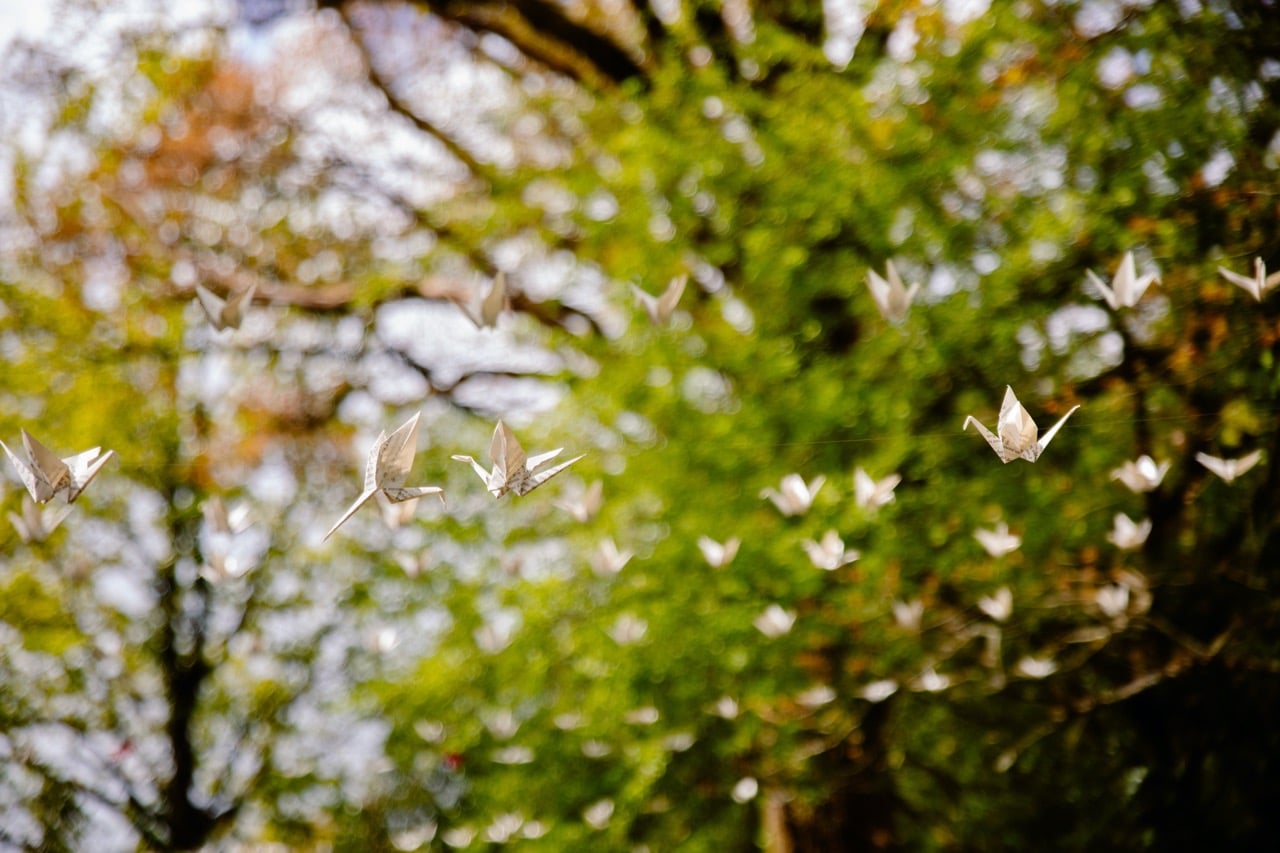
[512,470]
[36,523]
[1141,474]
[716,554]
[485,310]
[891,296]
[660,308]
[45,475]
[1229,469]
[608,559]
[998,606]
[390,460]
[1258,284]
[1017,432]
[1127,534]
[1126,288]
[584,505]
[872,494]
[225,313]
[998,542]
[794,496]
[774,621]
[829,554]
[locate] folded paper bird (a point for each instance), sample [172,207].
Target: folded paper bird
[1016,436]
[1258,284]
[891,296]
[1126,288]
[512,470]
[660,308]
[45,475]
[225,313]
[1229,469]
[390,460]
[485,310]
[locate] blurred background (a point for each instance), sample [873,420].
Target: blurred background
[784,602]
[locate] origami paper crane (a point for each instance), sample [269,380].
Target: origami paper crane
[794,496]
[998,606]
[718,555]
[999,541]
[872,494]
[891,297]
[1229,469]
[1141,474]
[660,308]
[484,311]
[829,554]
[1017,433]
[390,460]
[225,313]
[512,470]
[1126,288]
[583,506]
[1127,534]
[45,475]
[35,524]
[1258,284]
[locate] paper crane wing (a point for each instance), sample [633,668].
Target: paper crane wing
[82,468]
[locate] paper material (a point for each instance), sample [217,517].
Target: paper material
[45,475]
[390,460]
[1229,469]
[1017,432]
[512,470]
[891,297]
[1141,474]
[998,542]
[36,523]
[660,308]
[794,496]
[1258,284]
[484,312]
[225,313]
[1126,288]
[829,554]
[584,506]
[718,555]
[872,494]
[1127,534]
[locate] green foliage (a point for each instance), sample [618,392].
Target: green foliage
[536,697]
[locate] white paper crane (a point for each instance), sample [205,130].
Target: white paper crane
[1258,284]
[512,470]
[45,475]
[998,606]
[1016,438]
[794,496]
[1126,288]
[891,297]
[485,310]
[1229,469]
[829,554]
[389,463]
[999,541]
[1141,474]
[660,308]
[583,506]
[225,313]
[871,494]
[717,554]
[1127,534]
[37,523]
